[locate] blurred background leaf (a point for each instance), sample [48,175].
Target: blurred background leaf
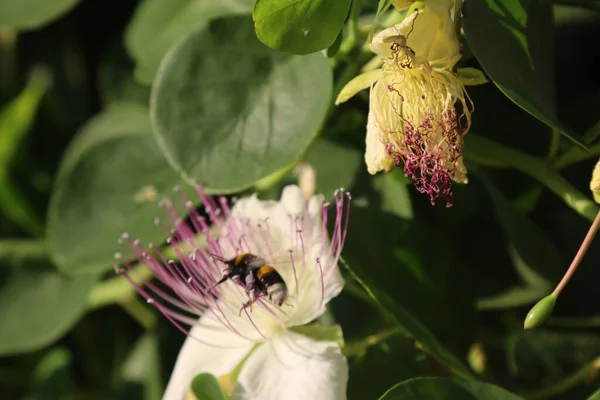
[16,119]
[110,182]
[157,25]
[30,14]
[38,305]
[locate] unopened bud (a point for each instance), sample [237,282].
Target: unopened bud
[540,312]
[595,183]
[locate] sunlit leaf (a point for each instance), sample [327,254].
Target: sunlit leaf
[299,26]
[241,114]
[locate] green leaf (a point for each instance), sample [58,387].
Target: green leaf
[31,14]
[335,164]
[52,377]
[446,389]
[109,182]
[38,306]
[206,387]
[241,114]
[157,25]
[299,26]
[423,290]
[16,119]
[535,258]
[513,41]
[141,370]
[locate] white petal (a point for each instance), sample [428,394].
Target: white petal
[291,367]
[196,357]
[315,293]
[376,156]
[293,200]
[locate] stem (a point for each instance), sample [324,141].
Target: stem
[139,311]
[354,31]
[22,249]
[358,348]
[579,256]
[492,154]
[117,289]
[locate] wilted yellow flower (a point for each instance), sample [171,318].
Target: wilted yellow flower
[413,118]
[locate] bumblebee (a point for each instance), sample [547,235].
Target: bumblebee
[260,279]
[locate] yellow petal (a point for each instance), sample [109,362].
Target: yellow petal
[376,156]
[429,32]
[357,84]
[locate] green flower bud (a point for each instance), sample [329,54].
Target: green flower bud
[595,182]
[540,312]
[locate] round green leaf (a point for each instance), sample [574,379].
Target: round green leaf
[38,305]
[229,111]
[109,182]
[29,14]
[446,389]
[158,24]
[299,26]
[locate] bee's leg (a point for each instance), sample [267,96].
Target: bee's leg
[251,299]
[249,282]
[246,305]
